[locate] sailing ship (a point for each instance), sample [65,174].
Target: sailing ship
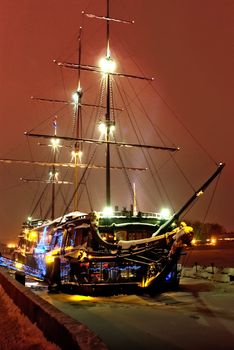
[110,250]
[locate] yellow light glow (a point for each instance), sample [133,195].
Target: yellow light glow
[107,65]
[193,242]
[49,259]
[199,193]
[55,251]
[68,248]
[11,245]
[32,236]
[213,241]
[81,298]
[76,155]
[18,265]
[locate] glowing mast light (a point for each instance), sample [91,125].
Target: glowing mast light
[103,129]
[107,65]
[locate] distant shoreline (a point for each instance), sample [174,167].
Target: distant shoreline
[221,255]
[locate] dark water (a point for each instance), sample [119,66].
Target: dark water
[221,255]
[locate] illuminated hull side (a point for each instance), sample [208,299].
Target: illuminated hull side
[87,254]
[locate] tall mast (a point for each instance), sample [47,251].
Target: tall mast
[78,118]
[108,194]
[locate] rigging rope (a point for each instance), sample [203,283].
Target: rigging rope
[151,123]
[79,183]
[144,151]
[48,118]
[176,115]
[212,198]
[38,203]
[185,127]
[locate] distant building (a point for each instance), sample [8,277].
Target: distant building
[5,250]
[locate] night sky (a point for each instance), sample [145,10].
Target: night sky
[186,45]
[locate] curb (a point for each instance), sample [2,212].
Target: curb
[57,327]
[212,273]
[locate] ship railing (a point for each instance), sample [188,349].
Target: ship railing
[124,214]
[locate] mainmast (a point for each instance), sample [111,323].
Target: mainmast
[108,194]
[77,152]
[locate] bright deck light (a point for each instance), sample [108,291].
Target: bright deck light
[165,213]
[107,212]
[107,65]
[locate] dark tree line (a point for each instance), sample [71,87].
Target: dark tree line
[203,231]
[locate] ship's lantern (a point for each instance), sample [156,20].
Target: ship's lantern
[107,65]
[76,155]
[54,143]
[102,128]
[75,97]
